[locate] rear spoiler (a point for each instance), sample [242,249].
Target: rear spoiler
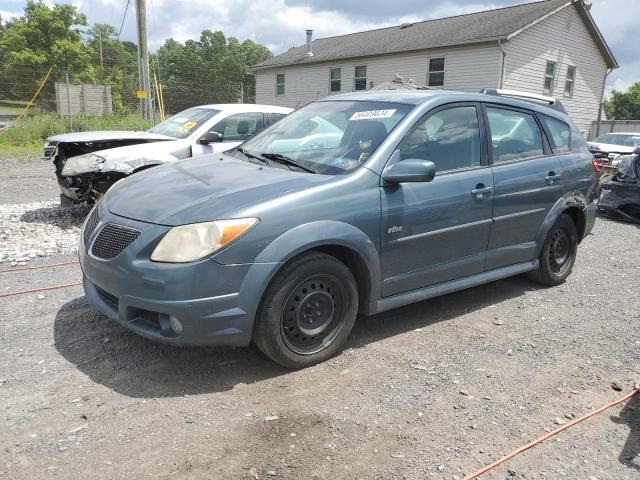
[549,101]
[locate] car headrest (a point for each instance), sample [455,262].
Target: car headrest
[242,127]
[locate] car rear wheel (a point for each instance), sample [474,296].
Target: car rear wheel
[558,253]
[307,312]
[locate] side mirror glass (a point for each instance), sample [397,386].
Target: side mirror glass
[210,137]
[409,171]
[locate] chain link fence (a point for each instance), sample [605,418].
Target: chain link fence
[31,91]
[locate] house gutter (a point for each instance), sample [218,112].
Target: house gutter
[502,66]
[604,83]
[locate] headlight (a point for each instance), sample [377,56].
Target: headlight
[89,162]
[187,243]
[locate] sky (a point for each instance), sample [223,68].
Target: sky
[280,24]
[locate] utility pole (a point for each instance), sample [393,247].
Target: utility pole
[100,42]
[143,59]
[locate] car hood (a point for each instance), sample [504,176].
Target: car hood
[210,187]
[132,157]
[105,136]
[610,148]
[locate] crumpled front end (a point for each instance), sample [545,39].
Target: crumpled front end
[85,172]
[620,196]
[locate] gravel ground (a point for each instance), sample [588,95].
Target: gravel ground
[433,390]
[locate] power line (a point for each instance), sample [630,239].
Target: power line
[124,16]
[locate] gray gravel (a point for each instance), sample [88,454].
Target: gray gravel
[38,229]
[432,390]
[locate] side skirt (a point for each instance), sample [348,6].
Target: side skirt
[432,291]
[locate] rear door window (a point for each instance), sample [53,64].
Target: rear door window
[560,134]
[274,117]
[515,135]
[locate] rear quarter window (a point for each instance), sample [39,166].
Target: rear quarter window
[578,142]
[560,134]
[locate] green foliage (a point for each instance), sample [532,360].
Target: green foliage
[44,37]
[206,71]
[624,105]
[33,130]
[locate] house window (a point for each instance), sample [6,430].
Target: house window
[335,82]
[570,81]
[360,78]
[549,77]
[279,83]
[435,75]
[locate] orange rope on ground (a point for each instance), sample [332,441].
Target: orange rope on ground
[549,435]
[36,267]
[33,290]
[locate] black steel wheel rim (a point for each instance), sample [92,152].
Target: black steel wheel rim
[560,251]
[313,314]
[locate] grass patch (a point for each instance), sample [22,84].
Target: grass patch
[29,133]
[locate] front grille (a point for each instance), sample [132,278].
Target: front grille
[109,299]
[90,224]
[112,240]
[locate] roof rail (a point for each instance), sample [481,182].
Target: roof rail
[551,101]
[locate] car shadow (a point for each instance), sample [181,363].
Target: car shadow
[439,309]
[630,415]
[63,218]
[133,366]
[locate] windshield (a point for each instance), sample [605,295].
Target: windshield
[333,137]
[182,124]
[625,139]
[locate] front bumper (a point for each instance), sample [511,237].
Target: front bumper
[216,304]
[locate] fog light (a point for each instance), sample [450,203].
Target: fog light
[176,326]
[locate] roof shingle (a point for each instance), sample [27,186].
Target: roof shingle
[479,27]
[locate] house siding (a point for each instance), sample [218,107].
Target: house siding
[561,37]
[469,69]
[564,39]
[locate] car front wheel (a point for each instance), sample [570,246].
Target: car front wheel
[307,312]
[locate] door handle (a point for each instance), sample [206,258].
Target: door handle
[481,191]
[552,178]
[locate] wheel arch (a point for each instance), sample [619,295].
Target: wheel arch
[344,241]
[571,204]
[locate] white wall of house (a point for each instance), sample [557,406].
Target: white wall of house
[562,38]
[470,69]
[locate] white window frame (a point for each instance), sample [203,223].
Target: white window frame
[570,82]
[280,84]
[429,71]
[339,80]
[355,67]
[547,76]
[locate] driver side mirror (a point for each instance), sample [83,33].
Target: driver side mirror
[210,137]
[409,171]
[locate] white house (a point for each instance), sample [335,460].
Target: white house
[552,47]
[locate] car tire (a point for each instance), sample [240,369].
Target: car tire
[307,312]
[558,253]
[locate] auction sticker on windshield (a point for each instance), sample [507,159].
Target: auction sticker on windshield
[373,114]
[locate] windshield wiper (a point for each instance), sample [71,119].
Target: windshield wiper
[278,157]
[250,155]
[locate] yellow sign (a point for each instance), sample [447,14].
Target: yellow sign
[141,94]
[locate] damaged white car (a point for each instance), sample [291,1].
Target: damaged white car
[88,163]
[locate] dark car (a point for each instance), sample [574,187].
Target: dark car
[620,194]
[357,203]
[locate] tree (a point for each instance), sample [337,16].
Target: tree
[624,105]
[210,70]
[116,66]
[44,37]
